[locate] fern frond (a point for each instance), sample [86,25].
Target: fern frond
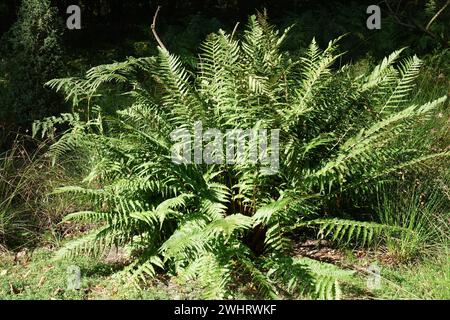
[89,244]
[409,71]
[327,277]
[382,71]
[361,232]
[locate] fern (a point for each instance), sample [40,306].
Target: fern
[204,222]
[360,232]
[327,278]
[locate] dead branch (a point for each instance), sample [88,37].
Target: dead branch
[415,25]
[153,27]
[437,15]
[235,28]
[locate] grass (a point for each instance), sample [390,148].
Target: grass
[28,212]
[422,212]
[37,276]
[429,279]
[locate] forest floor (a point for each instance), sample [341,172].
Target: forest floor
[37,275]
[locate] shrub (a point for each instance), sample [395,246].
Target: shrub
[31,55]
[216,223]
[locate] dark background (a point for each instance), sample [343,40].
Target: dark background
[109,20]
[113,30]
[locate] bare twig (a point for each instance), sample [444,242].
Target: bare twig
[437,15]
[443,41]
[234,30]
[394,15]
[153,27]
[417,26]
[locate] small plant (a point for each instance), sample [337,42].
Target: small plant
[26,208]
[422,214]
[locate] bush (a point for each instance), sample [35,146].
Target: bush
[31,55]
[339,136]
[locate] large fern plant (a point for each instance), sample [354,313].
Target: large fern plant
[218,223]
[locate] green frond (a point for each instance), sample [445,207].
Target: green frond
[90,244]
[363,233]
[139,272]
[327,278]
[47,125]
[264,214]
[188,239]
[409,71]
[210,274]
[228,225]
[381,72]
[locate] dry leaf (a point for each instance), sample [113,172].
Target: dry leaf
[41,281]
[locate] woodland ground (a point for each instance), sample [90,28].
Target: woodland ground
[34,275]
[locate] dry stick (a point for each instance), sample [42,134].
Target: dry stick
[415,25]
[153,27]
[234,30]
